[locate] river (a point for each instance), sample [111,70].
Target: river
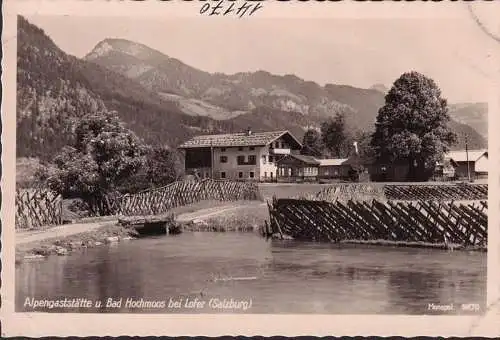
[204,272]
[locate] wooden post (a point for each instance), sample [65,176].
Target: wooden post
[211,160]
[467,156]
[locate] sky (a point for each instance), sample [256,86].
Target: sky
[356,52]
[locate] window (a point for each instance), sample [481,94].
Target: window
[223,159]
[252,174]
[252,160]
[271,173]
[271,159]
[265,174]
[223,174]
[264,159]
[240,174]
[251,148]
[222,149]
[240,148]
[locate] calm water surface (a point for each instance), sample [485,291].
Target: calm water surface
[274,276]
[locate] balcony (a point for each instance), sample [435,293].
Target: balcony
[279,151]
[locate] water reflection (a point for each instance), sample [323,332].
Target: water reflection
[278,277]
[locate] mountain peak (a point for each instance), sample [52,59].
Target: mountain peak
[131,48]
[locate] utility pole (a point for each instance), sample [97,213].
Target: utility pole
[211,160]
[467,155]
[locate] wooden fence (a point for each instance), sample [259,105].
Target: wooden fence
[36,208]
[418,221]
[161,200]
[40,207]
[437,192]
[404,192]
[364,191]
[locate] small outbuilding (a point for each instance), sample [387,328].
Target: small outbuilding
[297,168]
[473,163]
[333,168]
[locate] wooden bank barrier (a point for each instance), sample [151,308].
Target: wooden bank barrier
[37,207]
[434,222]
[404,192]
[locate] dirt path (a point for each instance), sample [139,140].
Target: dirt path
[77,228]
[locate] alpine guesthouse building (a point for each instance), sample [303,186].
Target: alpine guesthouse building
[238,156]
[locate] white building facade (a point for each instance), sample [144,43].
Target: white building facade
[240,156]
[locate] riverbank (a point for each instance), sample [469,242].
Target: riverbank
[114,233]
[63,245]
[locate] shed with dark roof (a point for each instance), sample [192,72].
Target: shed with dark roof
[298,168]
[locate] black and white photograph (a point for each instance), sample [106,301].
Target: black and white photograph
[202,165]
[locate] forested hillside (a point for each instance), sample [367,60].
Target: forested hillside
[54,88]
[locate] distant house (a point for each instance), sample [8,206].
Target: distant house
[297,168]
[334,168]
[454,166]
[473,162]
[239,156]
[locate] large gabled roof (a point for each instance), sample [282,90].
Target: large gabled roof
[461,156]
[236,139]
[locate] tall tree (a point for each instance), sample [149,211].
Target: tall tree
[312,145]
[335,136]
[103,156]
[412,125]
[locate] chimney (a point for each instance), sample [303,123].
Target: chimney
[249,131]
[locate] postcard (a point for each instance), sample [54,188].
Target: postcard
[250,168]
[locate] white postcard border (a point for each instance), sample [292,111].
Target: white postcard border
[39,324]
